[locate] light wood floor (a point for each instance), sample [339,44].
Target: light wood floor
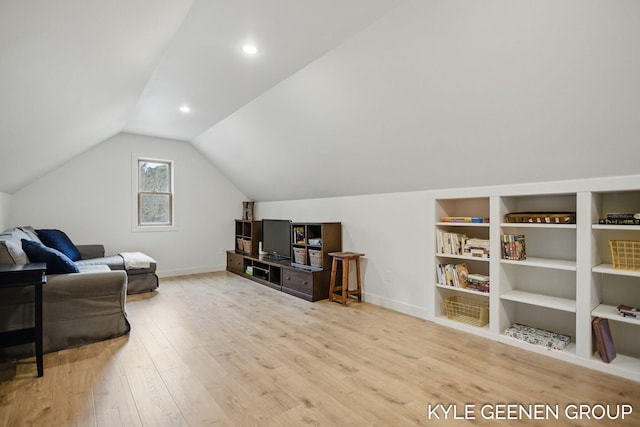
[218,350]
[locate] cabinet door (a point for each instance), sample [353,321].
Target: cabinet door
[235,262]
[299,280]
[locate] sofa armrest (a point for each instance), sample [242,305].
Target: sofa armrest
[91,251]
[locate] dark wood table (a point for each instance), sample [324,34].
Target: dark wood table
[13,276]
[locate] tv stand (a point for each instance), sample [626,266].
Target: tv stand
[286,275]
[276,257]
[280,275]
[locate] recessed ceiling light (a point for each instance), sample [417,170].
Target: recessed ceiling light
[185,108]
[249,49]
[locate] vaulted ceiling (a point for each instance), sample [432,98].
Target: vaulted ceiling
[343,96]
[75,72]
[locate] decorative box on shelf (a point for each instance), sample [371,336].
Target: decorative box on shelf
[542,217]
[538,336]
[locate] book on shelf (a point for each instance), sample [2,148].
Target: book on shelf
[604,342]
[298,235]
[513,247]
[450,243]
[465,219]
[627,215]
[478,282]
[619,221]
[455,275]
[475,247]
[459,244]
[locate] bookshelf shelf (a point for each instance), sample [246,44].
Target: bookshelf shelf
[541,300]
[608,269]
[569,351]
[476,330]
[462,257]
[535,225]
[623,365]
[463,224]
[611,312]
[616,227]
[463,290]
[558,264]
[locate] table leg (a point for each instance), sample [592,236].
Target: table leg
[38,328]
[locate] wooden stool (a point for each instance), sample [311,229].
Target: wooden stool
[345,258]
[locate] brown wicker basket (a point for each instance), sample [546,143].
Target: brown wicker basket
[315,258]
[300,255]
[247,245]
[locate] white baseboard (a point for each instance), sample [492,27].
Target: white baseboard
[192,270]
[402,307]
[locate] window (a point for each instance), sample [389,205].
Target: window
[155,192]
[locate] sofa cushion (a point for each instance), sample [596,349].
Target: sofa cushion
[57,262]
[59,241]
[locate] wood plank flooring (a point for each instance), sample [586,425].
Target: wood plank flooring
[218,350]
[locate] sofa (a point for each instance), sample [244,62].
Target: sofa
[84,301]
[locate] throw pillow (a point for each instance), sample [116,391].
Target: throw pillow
[12,253]
[59,241]
[57,262]
[30,232]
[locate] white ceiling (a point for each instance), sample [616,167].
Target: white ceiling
[204,65]
[344,96]
[75,72]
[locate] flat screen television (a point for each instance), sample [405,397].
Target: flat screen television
[276,238]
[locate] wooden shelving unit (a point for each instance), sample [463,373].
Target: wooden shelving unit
[248,233]
[304,280]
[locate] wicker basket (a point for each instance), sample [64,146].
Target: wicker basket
[315,258]
[300,255]
[247,245]
[467,310]
[542,217]
[240,244]
[625,254]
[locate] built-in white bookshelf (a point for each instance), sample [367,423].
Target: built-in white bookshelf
[567,278]
[468,207]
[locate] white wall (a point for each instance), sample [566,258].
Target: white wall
[5,200]
[90,199]
[390,229]
[396,232]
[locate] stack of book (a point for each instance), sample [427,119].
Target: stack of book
[513,247]
[465,219]
[450,243]
[452,275]
[621,219]
[628,311]
[476,248]
[478,282]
